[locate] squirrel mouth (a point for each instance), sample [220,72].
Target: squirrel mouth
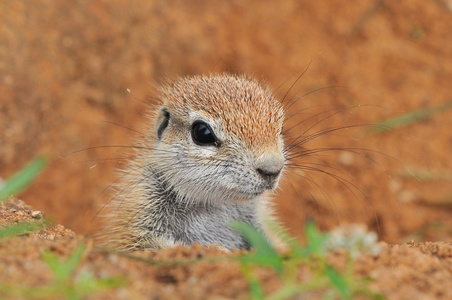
[270,185]
[256,192]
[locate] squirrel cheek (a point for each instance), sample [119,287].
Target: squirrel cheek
[197,153]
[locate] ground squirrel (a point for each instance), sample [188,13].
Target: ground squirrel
[213,153]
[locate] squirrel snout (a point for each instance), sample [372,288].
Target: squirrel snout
[269,167]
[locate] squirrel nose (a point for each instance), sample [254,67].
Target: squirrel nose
[269,167]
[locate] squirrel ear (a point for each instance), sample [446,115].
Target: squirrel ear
[162,122]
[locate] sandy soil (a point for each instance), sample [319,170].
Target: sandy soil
[66,69]
[402,271]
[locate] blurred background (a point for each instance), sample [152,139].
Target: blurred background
[75,75]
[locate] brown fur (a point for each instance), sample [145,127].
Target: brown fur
[250,120]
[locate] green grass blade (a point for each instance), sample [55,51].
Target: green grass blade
[410,117]
[55,265]
[23,178]
[21,228]
[87,284]
[266,254]
[285,237]
[315,238]
[338,281]
[76,257]
[255,238]
[63,270]
[264,260]
[256,291]
[288,291]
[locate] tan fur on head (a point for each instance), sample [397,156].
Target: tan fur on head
[246,109]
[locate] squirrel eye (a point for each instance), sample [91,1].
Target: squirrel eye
[203,135]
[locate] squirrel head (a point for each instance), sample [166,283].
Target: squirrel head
[218,138]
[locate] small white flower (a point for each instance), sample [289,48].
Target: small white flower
[355,238]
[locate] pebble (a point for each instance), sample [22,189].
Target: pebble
[36,214]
